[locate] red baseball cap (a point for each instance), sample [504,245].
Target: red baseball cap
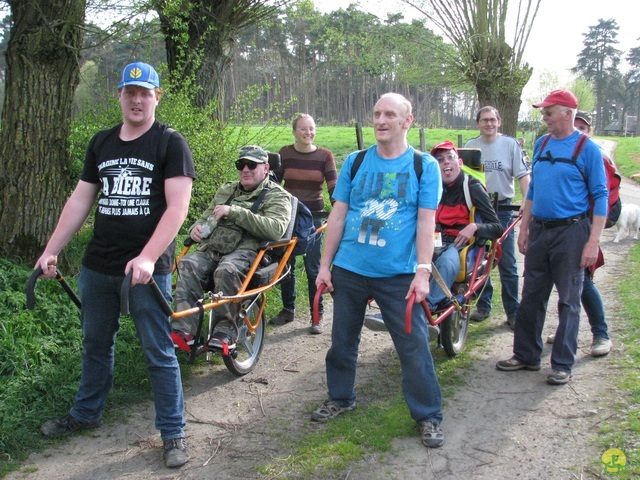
[446,145]
[559,97]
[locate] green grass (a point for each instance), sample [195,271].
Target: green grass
[622,429]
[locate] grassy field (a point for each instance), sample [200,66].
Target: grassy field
[40,350]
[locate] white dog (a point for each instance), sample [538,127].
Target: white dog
[629,221]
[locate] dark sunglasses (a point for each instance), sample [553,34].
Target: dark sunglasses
[240,164]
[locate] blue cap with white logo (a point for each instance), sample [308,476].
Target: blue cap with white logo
[139,74]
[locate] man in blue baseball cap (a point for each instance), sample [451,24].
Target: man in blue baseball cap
[143,194]
[141,75]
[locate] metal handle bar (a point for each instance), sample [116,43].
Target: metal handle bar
[407,313]
[322,289]
[124,295]
[30,290]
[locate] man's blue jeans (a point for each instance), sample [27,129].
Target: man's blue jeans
[100,295]
[508,269]
[311,267]
[594,308]
[419,381]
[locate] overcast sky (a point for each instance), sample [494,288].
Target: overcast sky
[557,35]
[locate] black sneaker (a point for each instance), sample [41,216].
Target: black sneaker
[556,377]
[220,339]
[175,453]
[479,316]
[65,425]
[283,317]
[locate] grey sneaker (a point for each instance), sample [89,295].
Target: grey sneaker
[284,316]
[556,377]
[512,365]
[66,424]
[329,410]
[374,321]
[317,329]
[175,453]
[479,316]
[600,347]
[431,434]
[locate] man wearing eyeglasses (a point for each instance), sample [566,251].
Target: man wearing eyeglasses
[557,238]
[242,214]
[503,163]
[452,218]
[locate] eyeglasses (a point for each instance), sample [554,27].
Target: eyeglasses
[488,120]
[306,130]
[451,157]
[240,164]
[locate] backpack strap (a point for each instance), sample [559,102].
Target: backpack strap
[467,193]
[256,203]
[164,143]
[577,150]
[417,163]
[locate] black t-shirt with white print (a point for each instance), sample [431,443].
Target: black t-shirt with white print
[132,198]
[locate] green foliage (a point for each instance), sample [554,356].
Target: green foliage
[621,430]
[40,361]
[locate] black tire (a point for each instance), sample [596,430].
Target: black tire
[453,331]
[248,345]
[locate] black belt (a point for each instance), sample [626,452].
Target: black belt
[506,200]
[560,222]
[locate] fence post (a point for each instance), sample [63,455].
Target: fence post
[459,140]
[359,136]
[423,143]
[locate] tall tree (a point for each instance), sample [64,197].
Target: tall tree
[598,62]
[484,57]
[200,35]
[632,77]
[42,73]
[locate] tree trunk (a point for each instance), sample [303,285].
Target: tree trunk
[42,75]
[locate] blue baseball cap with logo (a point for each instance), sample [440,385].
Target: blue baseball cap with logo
[139,74]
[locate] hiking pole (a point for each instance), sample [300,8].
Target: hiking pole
[31,298]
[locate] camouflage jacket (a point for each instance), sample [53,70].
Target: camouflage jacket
[268,223]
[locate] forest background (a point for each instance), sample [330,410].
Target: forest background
[229,65]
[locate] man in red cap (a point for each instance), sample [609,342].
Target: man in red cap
[591,299]
[557,238]
[453,229]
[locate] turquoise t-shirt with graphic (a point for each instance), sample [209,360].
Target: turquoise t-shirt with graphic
[383,197]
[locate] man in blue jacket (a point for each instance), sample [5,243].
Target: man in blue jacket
[557,238]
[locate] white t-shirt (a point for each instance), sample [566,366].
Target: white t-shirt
[503,161]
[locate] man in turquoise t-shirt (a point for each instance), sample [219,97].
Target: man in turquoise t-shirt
[379,239]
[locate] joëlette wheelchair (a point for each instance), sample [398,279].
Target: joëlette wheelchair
[267,270]
[477,261]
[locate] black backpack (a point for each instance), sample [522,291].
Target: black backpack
[303,228]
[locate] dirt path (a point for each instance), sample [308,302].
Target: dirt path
[498,425]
